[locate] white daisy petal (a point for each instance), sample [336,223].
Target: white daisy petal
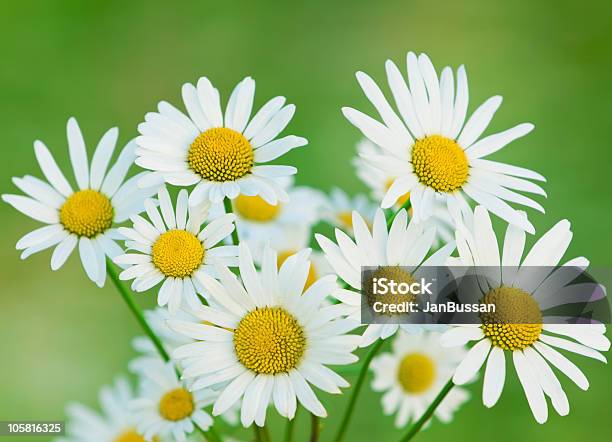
[78,154]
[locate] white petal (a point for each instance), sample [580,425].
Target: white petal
[78,155]
[49,168]
[472,362]
[494,378]
[101,158]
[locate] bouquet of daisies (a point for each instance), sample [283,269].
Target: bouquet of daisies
[255,308]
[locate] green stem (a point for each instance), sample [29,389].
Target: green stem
[429,412]
[314,428]
[261,433]
[227,203]
[406,206]
[289,427]
[353,400]
[136,311]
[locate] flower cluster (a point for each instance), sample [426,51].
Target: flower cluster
[255,308]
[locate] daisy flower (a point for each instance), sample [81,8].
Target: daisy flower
[380,181]
[259,221]
[223,155]
[86,216]
[517,295]
[340,206]
[158,321]
[413,374]
[174,248]
[405,245]
[269,340]
[115,424]
[288,240]
[165,406]
[431,149]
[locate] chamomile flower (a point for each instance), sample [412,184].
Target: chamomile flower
[256,220]
[269,340]
[517,327]
[165,406]
[223,155]
[158,321]
[405,245]
[115,424]
[413,374]
[340,206]
[87,216]
[174,248]
[288,240]
[431,149]
[379,182]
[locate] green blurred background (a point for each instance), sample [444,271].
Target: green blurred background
[109,62]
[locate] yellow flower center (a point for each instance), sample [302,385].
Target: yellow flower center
[391,273]
[440,163]
[346,220]
[403,198]
[176,405]
[312,273]
[416,373]
[177,253]
[269,340]
[87,213]
[131,435]
[517,321]
[220,154]
[255,208]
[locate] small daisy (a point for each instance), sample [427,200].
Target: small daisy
[340,206]
[158,321]
[511,285]
[224,155]
[413,375]
[174,248]
[404,245]
[257,220]
[379,182]
[86,217]
[432,150]
[287,241]
[269,340]
[115,424]
[166,407]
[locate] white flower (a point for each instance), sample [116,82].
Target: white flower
[340,207]
[413,375]
[174,248]
[224,155]
[158,321]
[517,288]
[116,423]
[258,221]
[270,339]
[404,245]
[379,182]
[165,406]
[86,217]
[287,241]
[432,150]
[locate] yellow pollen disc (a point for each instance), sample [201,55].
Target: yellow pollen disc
[176,405]
[403,198]
[312,273]
[517,321]
[416,373]
[269,340]
[255,208]
[346,220]
[220,154]
[392,273]
[87,213]
[440,163]
[177,253]
[131,435]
